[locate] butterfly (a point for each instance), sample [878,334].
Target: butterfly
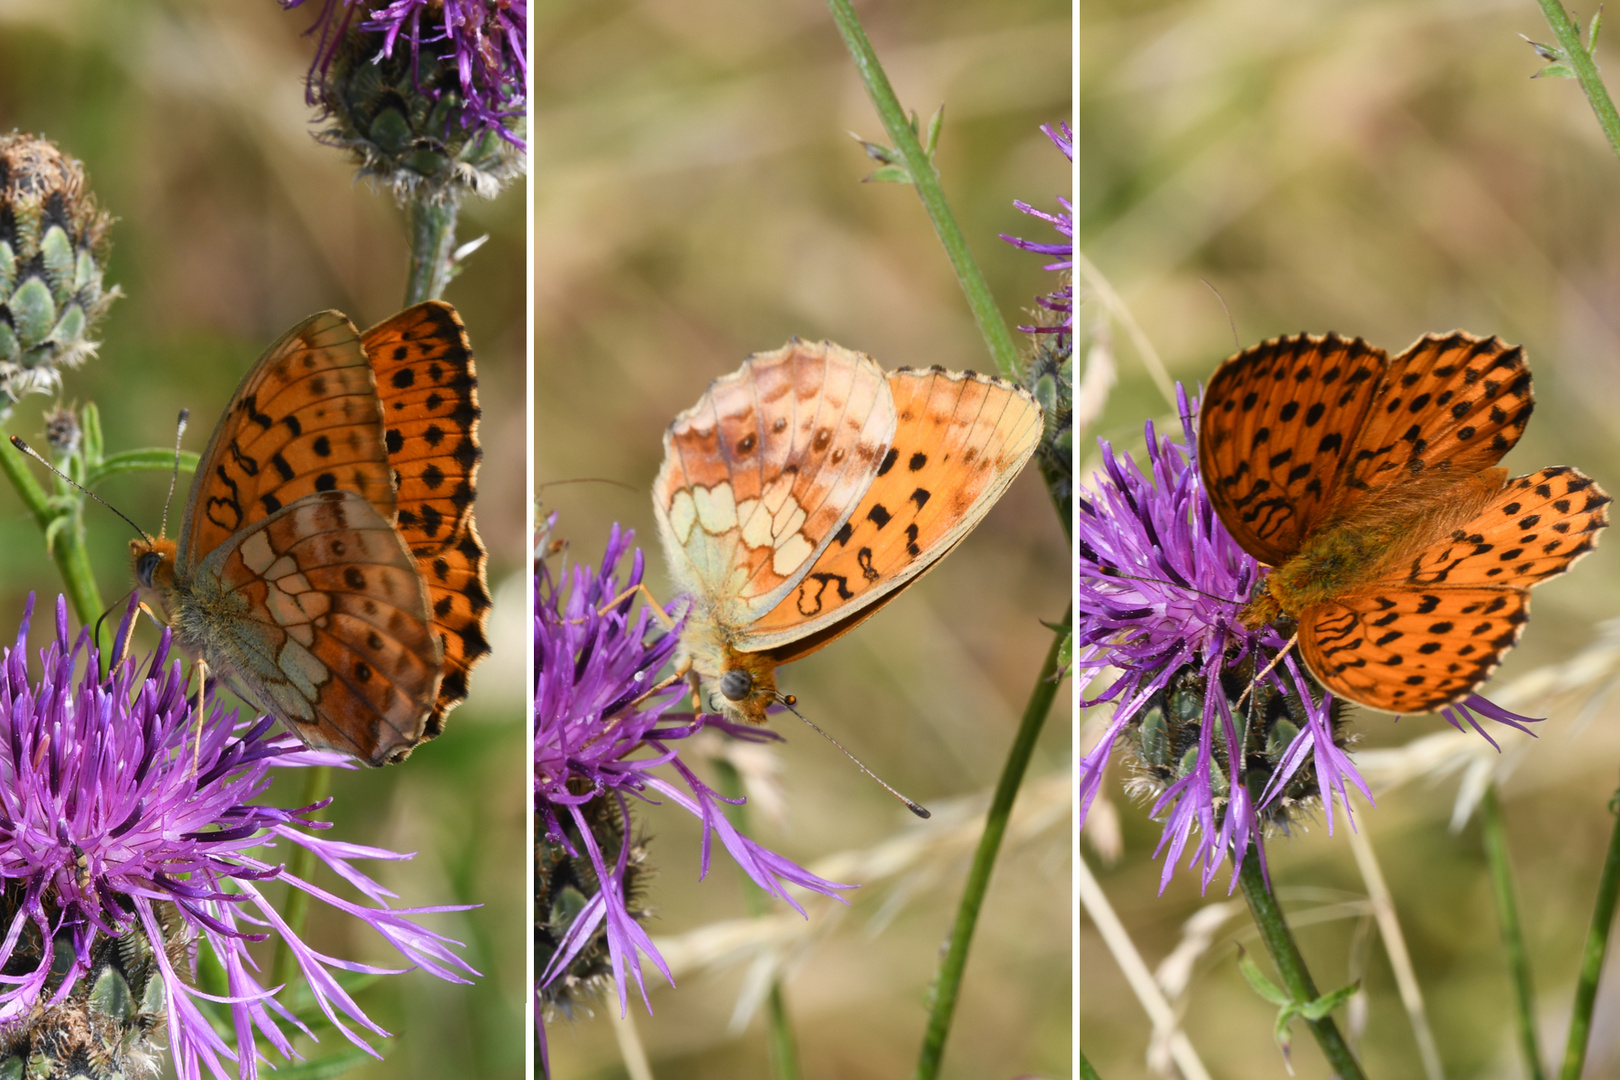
[807,489]
[1369,484]
[328,565]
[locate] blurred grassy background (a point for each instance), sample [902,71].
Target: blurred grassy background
[234,224]
[1384,170]
[697,199]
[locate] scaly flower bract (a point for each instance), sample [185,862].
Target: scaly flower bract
[119,810]
[486,41]
[1161,583]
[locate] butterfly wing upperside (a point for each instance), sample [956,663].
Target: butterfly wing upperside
[428,388]
[1437,620]
[304,419]
[960,439]
[1277,424]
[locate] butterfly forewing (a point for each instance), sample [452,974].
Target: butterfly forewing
[762,472]
[305,419]
[1276,426]
[1447,408]
[959,441]
[427,384]
[329,623]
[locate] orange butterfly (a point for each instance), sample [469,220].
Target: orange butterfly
[1368,483]
[805,490]
[327,564]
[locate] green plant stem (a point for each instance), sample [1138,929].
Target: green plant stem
[1279,941]
[1507,910]
[1585,68]
[926,181]
[300,863]
[1087,1072]
[779,1031]
[72,558]
[1597,944]
[948,986]
[433,241]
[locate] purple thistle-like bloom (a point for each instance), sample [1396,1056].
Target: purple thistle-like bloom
[599,734]
[486,41]
[1176,614]
[1062,299]
[117,813]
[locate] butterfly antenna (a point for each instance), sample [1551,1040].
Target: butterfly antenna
[789,701]
[1236,344]
[174,478]
[1109,572]
[585,480]
[29,450]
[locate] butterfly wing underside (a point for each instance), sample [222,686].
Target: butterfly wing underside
[303,420]
[960,439]
[764,470]
[428,388]
[327,619]
[1437,622]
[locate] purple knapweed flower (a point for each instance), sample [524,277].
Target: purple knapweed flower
[1060,300]
[484,41]
[1161,583]
[123,815]
[602,739]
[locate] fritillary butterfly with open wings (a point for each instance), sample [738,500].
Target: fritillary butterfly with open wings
[1369,483]
[805,490]
[327,565]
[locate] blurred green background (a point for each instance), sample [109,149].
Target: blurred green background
[1384,170]
[697,199]
[234,224]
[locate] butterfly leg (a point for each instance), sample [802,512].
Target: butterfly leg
[196,731]
[658,609]
[663,684]
[1269,669]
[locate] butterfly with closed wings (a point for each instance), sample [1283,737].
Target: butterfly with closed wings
[807,489]
[327,565]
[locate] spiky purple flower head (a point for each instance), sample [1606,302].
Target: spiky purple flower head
[484,41]
[1161,583]
[121,814]
[601,741]
[1061,299]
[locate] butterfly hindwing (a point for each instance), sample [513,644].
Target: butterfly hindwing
[761,473]
[328,625]
[1411,651]
[1276,427]
[428,388]
[959,440]
[303,420]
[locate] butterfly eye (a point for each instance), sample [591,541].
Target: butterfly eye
[147,566]
[735,684]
